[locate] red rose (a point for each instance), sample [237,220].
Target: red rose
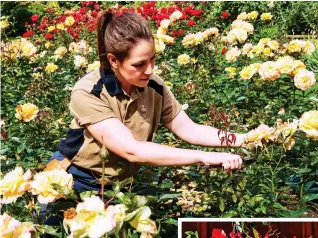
[34,18]
[203,2]
[82,10]
[4,135]
[224,15]
[49,36]
[223,51]
[191,23]
[27,34]
[97,7]
[26,23]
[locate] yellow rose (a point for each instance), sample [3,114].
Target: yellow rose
[273,44]
[248,27]
[298,66]
[284,133]
[166,39]
[165,23]
[242,16]
[48,44]
[168,84]
[159,45]
[252,15]
[60,26]
[44,183]
[26,112]
[4,24]
[269,71]
[267,52]
[50,28]
[60,52]
[308,47]
[266,17]
[188,40]
[161,31]
[237,34]
[294,46]
[232,54]
[69,21]
[14,184]
[93,66]
[11,228]
[308,123]
[91,219]
[247,72]
[142,223]
[264,40]
[231,71]
[255,137]
[285,64]
[51,67]
[246,48]
[176,15]
[183,59]
[258,49]
[80,61]
[304,79]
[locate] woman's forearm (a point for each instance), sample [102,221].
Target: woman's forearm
[208,136]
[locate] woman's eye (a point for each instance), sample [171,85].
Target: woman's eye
[138,65]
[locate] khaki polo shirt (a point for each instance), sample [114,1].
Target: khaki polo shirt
[98,96]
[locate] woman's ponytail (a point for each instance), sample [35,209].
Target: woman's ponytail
[103,20]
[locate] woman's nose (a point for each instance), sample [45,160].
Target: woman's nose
[149,70]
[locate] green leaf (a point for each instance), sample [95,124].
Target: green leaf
[234,198]
[308,198]
[304,171]
[221,204]
[171,221]
[169,196]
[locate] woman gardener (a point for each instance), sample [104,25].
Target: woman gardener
[121,105]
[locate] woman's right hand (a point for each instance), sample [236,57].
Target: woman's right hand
[226,160]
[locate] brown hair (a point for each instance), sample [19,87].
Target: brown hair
[118,34]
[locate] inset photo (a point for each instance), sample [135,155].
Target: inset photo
[189,228]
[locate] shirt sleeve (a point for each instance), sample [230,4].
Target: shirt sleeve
[171,107]
[89,109]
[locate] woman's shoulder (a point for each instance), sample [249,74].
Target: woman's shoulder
[88,81]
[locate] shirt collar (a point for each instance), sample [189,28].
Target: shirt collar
[111,83]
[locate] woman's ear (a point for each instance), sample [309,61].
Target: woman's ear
[112,60]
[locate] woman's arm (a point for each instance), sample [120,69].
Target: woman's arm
[197,134]
[119,140]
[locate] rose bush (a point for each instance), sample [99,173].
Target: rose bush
[232,65]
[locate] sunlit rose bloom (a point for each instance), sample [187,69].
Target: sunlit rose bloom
[308,123]
[285,64]
[168,84]
[242,16]
[4,23]
[80,61]
[183,59]
[185,106]
[258,49]
[159,45]
[93,66]
[17,48]
[294,46]
[232,54]
[266,17]
[161,31]
[248,72]
[60,52]
[273,44]
[224,39]
[198,38]
[284,133]
[264,41]
[308,47]
[237,34]
[175,16]
[269,71]
[166,39]
[243,25]
[50,28]
[48,45]
[60,26]
[142,223]
[90,219]
[165,23]
[252,15]
[246,48]
[51,67]
[189,40]
[44,185]
[11,228]
[255,137]
[209,32]
[156,70]
[83,47]
[74,48]
[69,21]
[26,112]
[231,71]
[298,66]
[267,52]
[304,79]
[14,184]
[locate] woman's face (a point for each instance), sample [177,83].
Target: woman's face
[138,67]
